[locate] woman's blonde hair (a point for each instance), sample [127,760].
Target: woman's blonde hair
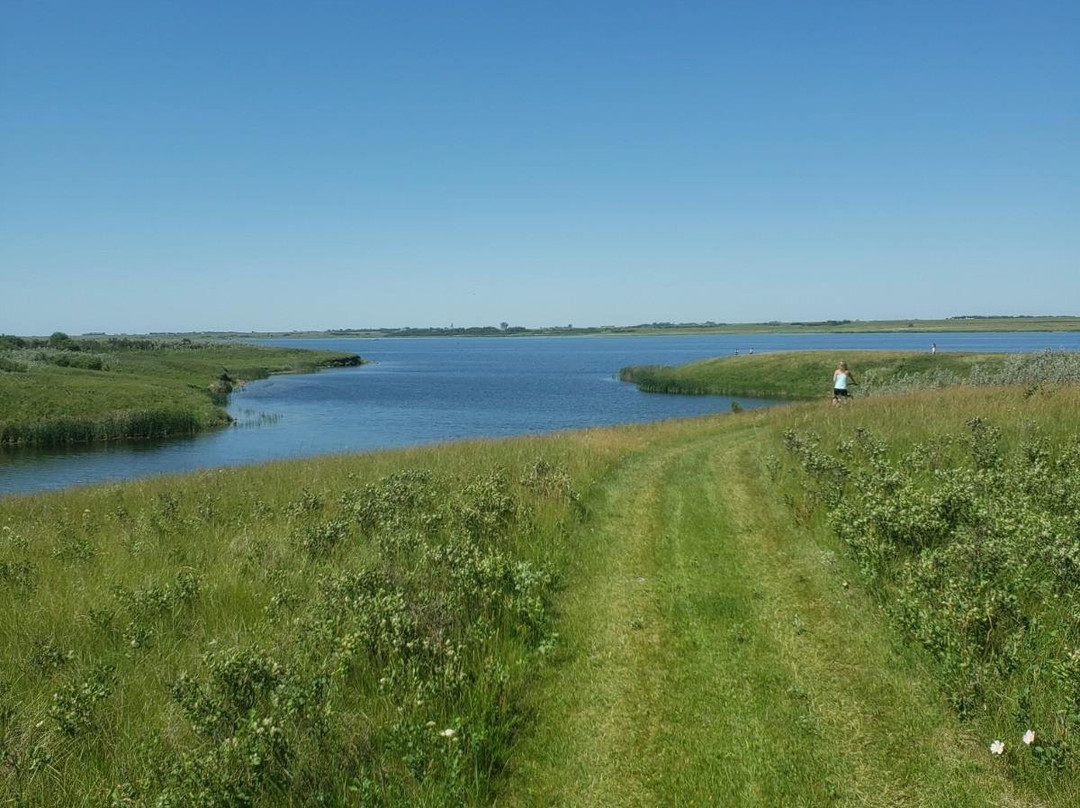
[843,366]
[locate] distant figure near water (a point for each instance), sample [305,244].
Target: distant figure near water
[933,348]
[842,377]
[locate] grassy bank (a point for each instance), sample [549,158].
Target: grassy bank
[958,511]
[828,606]
[73,391]
[345,631]
[809,605]
[808,374]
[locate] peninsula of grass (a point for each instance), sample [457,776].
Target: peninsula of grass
[809,605]
[65,390]
[807,375]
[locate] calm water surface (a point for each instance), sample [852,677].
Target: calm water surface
[427,390]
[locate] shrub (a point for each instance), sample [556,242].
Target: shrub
[974,550]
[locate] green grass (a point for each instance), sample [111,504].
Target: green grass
[664,614]
[961,514]
[716,655]
[136,393]
[809,374]
[795,374]
[288,633]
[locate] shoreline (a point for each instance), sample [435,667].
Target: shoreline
[176,578]
[162,401]
[1050,324]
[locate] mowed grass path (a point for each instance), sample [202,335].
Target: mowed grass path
[712,660]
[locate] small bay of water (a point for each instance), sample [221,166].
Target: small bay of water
[424,390]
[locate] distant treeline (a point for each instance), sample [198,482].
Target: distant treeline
[969,322]
[1007,317]
[505,330]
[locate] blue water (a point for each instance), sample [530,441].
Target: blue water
[427,390]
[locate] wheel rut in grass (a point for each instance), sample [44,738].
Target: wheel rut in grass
[712,656]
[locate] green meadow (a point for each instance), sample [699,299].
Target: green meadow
[810,605]
[808,374]
[64,390]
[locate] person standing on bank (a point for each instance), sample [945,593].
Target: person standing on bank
[841,378]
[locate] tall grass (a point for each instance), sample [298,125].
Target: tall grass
[1033,371]
[365,630]
[345,631]
[798,374]
[138,389]
[121,425]
[962,513]
[808,374]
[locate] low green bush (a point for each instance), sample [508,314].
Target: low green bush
[366,644]
[972,545]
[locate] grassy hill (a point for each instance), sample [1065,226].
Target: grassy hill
[810,605]
[94,390]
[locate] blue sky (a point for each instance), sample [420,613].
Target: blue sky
[260,166]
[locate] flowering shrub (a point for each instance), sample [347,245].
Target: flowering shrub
[368,646]
[974,549]
[1034,371]
[73,705]
[548,479]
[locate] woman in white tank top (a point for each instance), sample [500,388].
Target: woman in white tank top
[841,378]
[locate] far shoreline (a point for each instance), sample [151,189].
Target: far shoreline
[1064,324]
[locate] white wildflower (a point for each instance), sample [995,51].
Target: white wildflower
[997,747]
[448,733]
[1029,737]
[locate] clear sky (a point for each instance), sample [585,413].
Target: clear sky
[314,164]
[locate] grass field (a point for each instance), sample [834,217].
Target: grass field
[809,374]
[804,606]
[96,390]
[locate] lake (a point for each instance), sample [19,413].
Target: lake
[425,390]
